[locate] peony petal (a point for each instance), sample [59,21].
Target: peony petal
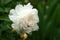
[16,27]
[12,15]
[12,12]
[36,18]
[18,8]
[35,27]
[35,11]
[29,6]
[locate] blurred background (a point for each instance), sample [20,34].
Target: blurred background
[49,15]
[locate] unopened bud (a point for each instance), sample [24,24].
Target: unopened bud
[23,36]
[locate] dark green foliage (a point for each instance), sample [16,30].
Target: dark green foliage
[49,15]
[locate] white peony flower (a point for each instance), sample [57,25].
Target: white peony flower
[24,18]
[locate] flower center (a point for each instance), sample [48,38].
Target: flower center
[30,18]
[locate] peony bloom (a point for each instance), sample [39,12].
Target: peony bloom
[24,18]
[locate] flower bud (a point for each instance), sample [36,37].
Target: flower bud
[23,36]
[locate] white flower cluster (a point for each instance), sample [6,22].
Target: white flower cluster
[24,18]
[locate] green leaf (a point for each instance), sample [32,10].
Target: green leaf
[4,2]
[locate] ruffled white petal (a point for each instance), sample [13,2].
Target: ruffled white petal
[15,27]
[18,8]
[29,6]
[35,27]
[12,15]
